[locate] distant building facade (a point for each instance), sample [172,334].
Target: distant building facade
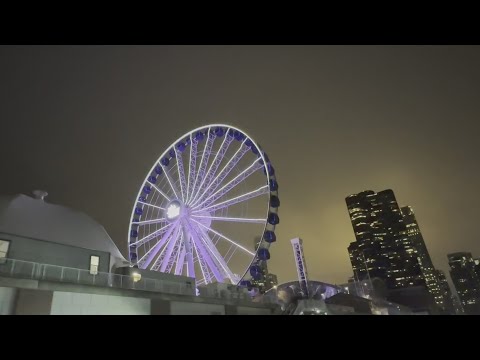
[464,276]
[447,299]
[477,266]
[435,280]
[389,246]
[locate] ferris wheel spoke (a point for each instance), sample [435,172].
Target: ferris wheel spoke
[151,205]
[217,256]
[180,260]
[173,257]
[146,259]
[158,190]
[255,166]
[230,253]
[206,255]
[171,253]
[176,253]
[214,166]
[207,150]
[230,219]
[192,165]
[204,259]
[203,265]
[181,173]
[150,236]
[146,222]
[217,181]
[227,203]
[170,183]
[161,256]
[224,237]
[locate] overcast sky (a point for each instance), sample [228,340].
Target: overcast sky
[86,124]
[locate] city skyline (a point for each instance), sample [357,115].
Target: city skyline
[85,123]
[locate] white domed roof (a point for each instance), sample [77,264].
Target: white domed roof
[25,216]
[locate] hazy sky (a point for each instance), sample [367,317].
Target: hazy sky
[86,124]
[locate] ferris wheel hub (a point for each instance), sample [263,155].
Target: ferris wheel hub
[174,210]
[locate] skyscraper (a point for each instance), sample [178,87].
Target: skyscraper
[477,266]
[433,278]
[267,281]
[447,299]
[466,281]
[457,305]
[382,248]
[389,246]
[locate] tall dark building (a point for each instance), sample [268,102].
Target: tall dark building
[477,266]
[382,248]
[457,305]
[466,280]
[433,278]
[447,299]
[267,281]
[389,246]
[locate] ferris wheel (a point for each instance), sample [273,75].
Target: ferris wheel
[201,207]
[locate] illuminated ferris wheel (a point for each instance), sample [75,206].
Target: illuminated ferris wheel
[201,206]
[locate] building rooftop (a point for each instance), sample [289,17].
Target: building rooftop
[30,217]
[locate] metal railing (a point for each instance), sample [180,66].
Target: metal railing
[36,271]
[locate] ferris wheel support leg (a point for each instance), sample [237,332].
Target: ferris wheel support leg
[188,253]
[217,256]
[160,259]
[170,255]
[203,267]
[204,256]
[181,259]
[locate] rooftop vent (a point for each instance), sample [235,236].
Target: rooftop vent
[40,194]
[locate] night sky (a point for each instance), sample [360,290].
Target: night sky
[87,123]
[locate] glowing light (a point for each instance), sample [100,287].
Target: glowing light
[173,211]
[136,277]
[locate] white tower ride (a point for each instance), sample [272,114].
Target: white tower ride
[297,245]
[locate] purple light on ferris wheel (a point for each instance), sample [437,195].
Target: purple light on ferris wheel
[196,202]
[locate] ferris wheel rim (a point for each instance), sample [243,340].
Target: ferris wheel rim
[265,165]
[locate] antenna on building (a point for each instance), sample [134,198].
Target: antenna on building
[40,194]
